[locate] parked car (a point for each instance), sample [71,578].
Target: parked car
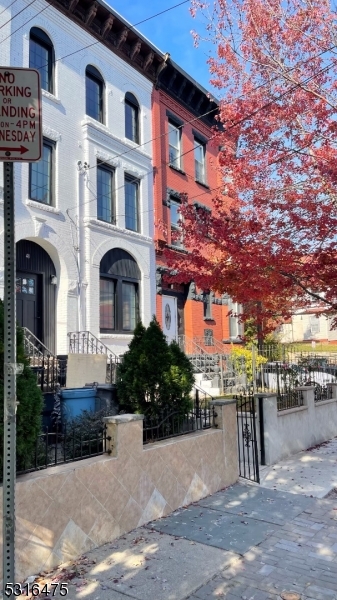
[278,376]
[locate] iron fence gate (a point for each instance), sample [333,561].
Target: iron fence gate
[247,437]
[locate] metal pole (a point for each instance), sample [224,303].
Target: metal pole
[10,370]
[254,367]
[221,374]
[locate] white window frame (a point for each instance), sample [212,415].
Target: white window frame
[200,167]
[176,162]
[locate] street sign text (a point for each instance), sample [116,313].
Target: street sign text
[20,115]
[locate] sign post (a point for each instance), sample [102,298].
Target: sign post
[20,140]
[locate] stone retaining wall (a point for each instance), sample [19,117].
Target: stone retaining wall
[63,511]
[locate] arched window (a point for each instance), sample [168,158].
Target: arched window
[41,57]
[131,118]
[119,292]
[94,88]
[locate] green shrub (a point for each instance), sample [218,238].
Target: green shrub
[29,396]
[154,376]
[242,361]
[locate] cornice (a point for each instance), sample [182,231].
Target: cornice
[114,33]
[98,132]
[122,39]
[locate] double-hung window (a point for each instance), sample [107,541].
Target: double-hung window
[176,222]
[174,145]
[105,194]
[41,175]
[199,160]
[41,57]
[131,118]
[131,203]
[94,89]
[235,328]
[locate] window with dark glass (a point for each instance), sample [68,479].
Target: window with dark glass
[174,145]
[131,118]
[131,203]
[107,304]
[41,175]
[94,87]
[199,160]
[105,194]
[207,298]
[176,222]
[41,57]
[119,292]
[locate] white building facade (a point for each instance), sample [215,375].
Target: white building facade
[84,213]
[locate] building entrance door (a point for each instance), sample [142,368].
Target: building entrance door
[170,318]
[28,302]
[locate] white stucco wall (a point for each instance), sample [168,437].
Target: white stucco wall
[80,138]
[290,431]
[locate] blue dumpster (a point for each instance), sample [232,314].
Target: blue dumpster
[76,400]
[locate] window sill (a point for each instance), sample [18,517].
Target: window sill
[96,126]
[104,222]
[177,248]
[131,143]
[120,335]
[178,169]
[42,206]
[110,227]
[51,97]
[202,183]
[208,318]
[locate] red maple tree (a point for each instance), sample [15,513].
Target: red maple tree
[270,240]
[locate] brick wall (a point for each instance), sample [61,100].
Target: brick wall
[167,177]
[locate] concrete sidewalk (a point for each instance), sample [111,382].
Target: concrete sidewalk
[248,541]
[312,472]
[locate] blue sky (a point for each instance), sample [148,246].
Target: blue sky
[170,32]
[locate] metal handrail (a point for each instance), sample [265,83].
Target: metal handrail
[200,389]
[32,342]
[84,342]
[215,345]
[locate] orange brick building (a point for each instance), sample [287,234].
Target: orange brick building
[185,162]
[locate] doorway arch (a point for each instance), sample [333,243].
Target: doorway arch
[36,291]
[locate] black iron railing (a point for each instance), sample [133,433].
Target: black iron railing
[322,392]
[84,342]
[247,437]
[50,372]
[289,399]
[173,422]
[62,445]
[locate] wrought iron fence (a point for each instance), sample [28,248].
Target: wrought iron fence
[172,422]
[50,372]
[289,399]
[84,342]
[247,437]
[322,392]
[63,445]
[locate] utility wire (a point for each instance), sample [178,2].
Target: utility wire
[167,164]
[8,7]
[17,14]
[273,99]
[208,112]
[131,27]
[266,105]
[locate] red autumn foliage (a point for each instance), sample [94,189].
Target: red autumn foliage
[270,241]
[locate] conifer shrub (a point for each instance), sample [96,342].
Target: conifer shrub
[29,396]
[154,376]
